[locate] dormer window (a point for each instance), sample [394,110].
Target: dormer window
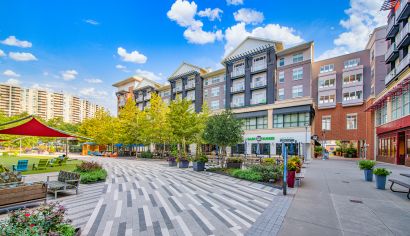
[298,57]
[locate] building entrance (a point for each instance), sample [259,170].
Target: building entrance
[401,155]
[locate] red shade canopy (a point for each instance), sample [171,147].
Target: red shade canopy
[35,128]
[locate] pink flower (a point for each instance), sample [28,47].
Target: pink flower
[27,214]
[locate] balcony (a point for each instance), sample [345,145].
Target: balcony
[147,97]
[258,84]
[189,86]
[403,64]
[259,67]
[237,104]
[402,38]
[178,89]
[391,54]
[238,72]
[257,101]
[238,88]
[190,97]
[352,102]
[392,27]
[404,10]
[390,76]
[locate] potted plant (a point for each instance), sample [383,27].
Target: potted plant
[290,177]
[296,160]
[318,151]
[381,174]
[234,162]
[367,167]
[183,161]
[172,161]
[198,162]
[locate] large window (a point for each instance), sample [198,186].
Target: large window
[298,57]
[381,115]
[327,83]
[258,97]
[327,68]
[326,122]
[281,94]
[352,95]
[264,148]
[297,91]
[298,73]
[351,121]
[215,92]
[352,79]
[352,63]
[327,99]
[282,61]
[215,105]
[396,107]
[291,120]
[406,102]
[255,123]
[387,147]
[238,149]
[281,77]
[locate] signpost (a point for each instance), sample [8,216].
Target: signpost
[258,149]
[285,171]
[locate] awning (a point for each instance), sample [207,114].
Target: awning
[395,91]
[35,128]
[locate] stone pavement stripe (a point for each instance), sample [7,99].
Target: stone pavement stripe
[240,216]
[219,200]
[179,204]
[165,205]
[75,205]
[193,199]
[157,228]
[245,215]
[140,192]
[129,200]
[166,190]
[109,188]
[86,215]
[115,194]
[175,191]
[245,205]
[148,220]
[183,226]
[118,208]
[121,229]
[164,232]
[151,185]
[93,216]
[141,217]
[166,218]
[105,189]
[107,228]
[128,232]
[144,192]
[97,221]
[209,208]
[202,217]
[120,188]
[133,196]
[200,222]
[226,218]
[124,186]
[173,203]
[151,197]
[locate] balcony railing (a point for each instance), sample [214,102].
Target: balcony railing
[177,89]
[258,101]
[190,85]
[392,27]
[392,49]
[259,66]
[402,35]
[403,5]
[403,64]
[190,97]
[390,76]
[258,84]
[237,88]
[238,72]
[237,104]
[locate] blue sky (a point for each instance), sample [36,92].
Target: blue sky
[82,47]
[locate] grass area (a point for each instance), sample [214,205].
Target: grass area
[12,160]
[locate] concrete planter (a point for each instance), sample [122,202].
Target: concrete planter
[198,166]
[183,164]
[234,165]
[381,182]
[368,175]
[172,163]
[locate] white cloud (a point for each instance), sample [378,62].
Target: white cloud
[183,12]
[2,54]
[93,93]
[91,22]
[249,16]
[234,2]
[13,82]
[198,36]
[149,75]
[10,73]
[237,33]
[93,81]
[120,67]
[212,14]
[22,56]
[134,56]
[363,17]
[69,74]
[45,73]
[13,41]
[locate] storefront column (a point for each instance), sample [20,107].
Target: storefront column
[270,119]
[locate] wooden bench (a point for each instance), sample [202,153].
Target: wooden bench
[65,181]
[406,185]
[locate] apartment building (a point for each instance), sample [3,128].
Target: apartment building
[45,104]
[215,90]
[391,107]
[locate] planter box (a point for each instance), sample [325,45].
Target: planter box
[183,164]
[381,182]
[13,194]
[198,166]
[290,178]
[172,163]
[368,175]
[234,165]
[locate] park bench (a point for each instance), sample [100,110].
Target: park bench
[42,164]
[398,182]
[22,165]
[65,181]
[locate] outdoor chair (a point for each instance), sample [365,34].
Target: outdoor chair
[65,181]
[42,164]
[63,161]
[22,165]
[54,162]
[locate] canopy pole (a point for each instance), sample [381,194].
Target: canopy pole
[66,147]
[20,147]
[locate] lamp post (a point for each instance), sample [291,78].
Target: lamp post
[285,171]
[324,144]
[258,149]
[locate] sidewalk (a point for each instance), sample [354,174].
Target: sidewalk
[323,205]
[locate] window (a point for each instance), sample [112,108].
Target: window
[352,79]
[298,57]
[258,97]
[259,60]
[351,63]
[327,99]
[352,95]
[327,68]
[327,83]
[206,81]
[291,120]
[396,107]
[205,93]
[281,94]
[255,123]
[281,77]
[298,73]
[239,67]
[215,92]
[282,61]
[351,121]
[326,122]
[215,105]
[238,101]
[406,102]
[259,81]
[264,148]
[297,91]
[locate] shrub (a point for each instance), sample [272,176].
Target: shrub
[93,176]
[88,166]
[4,169]
[318,149]
[200,158]
[268,161]
[292,166]
[267,172]
[247,175]
[147,154]
[381,172]
[234,160]
[48,219]
[366,164]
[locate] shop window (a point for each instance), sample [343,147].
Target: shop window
[292,148]
[238,149]
[291,120]
[264,148]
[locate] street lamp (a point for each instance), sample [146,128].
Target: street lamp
[258,149]
[324,144]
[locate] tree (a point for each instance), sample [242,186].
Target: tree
[201,121]
[223,130]
[102,128]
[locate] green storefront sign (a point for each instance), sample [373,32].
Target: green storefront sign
[262,138]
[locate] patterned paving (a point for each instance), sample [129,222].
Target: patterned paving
[150,198]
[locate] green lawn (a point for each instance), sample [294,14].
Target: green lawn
[9,161]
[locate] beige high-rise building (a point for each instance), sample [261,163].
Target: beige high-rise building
[45,104]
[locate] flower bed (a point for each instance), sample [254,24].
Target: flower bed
[48,219]
[255,173]
[91,172]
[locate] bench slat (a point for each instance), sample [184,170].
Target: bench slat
[400,183]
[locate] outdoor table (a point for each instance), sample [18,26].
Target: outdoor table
[406,175]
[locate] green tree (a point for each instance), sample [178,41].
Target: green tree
[102,128]
[223,130]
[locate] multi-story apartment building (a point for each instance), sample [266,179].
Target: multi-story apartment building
[214,90]
[391,107]
[45,104]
